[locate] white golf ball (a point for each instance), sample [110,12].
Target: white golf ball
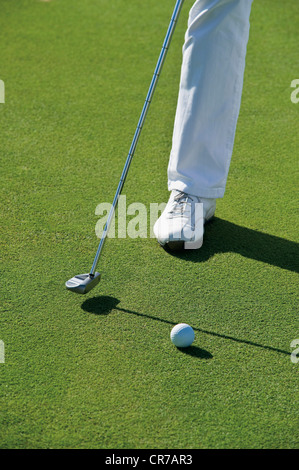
[182,335]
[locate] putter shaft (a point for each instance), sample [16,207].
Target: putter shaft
[141,121]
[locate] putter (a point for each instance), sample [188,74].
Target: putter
[83,283]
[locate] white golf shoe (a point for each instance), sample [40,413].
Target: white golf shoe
[181,224]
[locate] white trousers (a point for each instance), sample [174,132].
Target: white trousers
[209,96]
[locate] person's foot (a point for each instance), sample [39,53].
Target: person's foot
[181,224]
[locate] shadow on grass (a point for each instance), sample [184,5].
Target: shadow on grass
[103,305]
[196,352]
[222,236]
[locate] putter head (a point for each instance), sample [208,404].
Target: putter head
[83,283]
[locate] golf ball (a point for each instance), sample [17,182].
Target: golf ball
[182,335]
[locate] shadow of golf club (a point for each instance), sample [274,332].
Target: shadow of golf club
[103,305]
[222,236]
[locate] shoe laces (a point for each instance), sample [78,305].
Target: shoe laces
[182,202]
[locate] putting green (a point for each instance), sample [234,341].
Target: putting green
[100,371]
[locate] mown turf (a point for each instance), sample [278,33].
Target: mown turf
[100,371]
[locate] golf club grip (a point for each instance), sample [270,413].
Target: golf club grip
[157,72]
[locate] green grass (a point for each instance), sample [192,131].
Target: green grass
[100,371]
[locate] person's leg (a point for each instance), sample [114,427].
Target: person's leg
[206,118]
[209,96]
